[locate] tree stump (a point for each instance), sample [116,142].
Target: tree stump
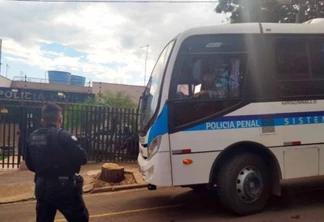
[112,173]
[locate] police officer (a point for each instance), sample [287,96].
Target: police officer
[55,157]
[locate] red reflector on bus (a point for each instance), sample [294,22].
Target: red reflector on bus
[186,151]
[293,143]
[296,143]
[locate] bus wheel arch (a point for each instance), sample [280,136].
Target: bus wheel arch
[251,147]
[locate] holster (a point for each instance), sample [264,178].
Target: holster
[78,183]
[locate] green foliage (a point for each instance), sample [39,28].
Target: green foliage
[270,10]
[118,99]
[85,114]
[90,101]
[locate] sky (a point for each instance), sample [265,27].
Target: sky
[100,41]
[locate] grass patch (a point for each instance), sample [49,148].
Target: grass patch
[2,157]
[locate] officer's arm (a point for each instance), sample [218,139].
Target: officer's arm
[27,158]
[77,154]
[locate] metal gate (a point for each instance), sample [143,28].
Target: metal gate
[16,123]
[107,134]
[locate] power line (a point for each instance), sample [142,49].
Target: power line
[121,1]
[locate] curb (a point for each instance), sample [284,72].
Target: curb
[17,201]
[95,190]
[117,188]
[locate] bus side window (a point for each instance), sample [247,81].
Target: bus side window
[317,58]
[291,59]
[221,77]
[295,62]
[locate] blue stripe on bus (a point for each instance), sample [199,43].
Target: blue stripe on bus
[160,126]
[274,115]
[255,121]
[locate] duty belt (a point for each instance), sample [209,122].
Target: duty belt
[57,178]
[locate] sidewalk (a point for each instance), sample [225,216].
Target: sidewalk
[18,185]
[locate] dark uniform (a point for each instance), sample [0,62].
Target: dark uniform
[56,156]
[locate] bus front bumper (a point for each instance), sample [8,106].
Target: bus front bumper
[157,170]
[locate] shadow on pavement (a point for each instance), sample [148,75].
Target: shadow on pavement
[203,206]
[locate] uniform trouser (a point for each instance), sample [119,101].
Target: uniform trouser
[53,195]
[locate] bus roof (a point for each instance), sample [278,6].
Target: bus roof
[256,28]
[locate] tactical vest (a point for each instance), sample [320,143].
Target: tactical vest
[48,157]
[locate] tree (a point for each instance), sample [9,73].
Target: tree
[122,100]
[115,106]
[271,10]
[119,99]
[74,115]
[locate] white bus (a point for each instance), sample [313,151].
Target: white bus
[238,108]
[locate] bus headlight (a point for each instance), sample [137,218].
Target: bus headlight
[154,147]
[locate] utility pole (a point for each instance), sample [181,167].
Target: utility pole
[7,67]
[147,46]
[0,55]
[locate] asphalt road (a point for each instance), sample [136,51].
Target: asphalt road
[300,203]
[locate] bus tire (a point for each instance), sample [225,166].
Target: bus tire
[243,184]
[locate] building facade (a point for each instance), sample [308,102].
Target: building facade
[40,91]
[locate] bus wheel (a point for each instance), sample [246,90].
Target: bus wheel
[243,184]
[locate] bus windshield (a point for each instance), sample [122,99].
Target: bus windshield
[151,95]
